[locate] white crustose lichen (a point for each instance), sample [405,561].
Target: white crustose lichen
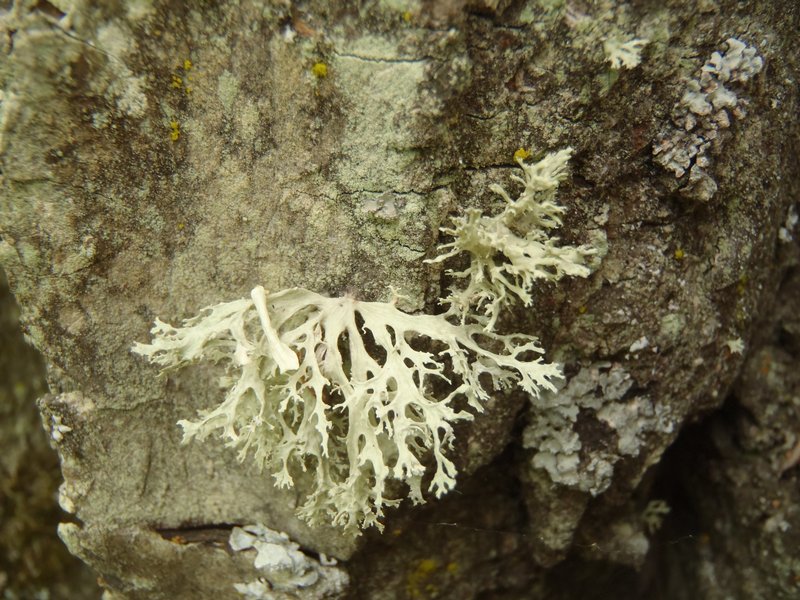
[283,568]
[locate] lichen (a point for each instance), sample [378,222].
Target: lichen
[515,248]
[625,55]
[599,391]
[283,567]
[708,105]
[319,70]
[344,389]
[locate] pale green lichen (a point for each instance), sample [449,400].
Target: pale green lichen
[654,514]
[128,90]
[345,390]
[513,249]
[227,90]
[708,106]
[383,85]
[600,391]
[360,393]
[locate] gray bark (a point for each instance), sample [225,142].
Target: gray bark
[158,157]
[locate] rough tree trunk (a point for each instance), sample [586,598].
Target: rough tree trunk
[160,156]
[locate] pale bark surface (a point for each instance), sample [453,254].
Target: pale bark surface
[158,157]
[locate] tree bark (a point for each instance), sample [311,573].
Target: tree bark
[159,157]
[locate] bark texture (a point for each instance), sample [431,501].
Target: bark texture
[33,561]
[160,156]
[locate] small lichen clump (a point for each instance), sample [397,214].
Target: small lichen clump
[283,566]
[514,248]
[624,55]
[707,106]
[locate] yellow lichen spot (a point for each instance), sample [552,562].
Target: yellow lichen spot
[680,254]
[521,154]
[427,566]
[175,132]
[452,568]
[582,309]
[187,65]
[320,69]
[741,285]
[407,16]
[181,226]
[418,581]
[177,82]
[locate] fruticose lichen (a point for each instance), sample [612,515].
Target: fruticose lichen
[625,55]
[360,394]
[514,248]
[344,389]
[654,514]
